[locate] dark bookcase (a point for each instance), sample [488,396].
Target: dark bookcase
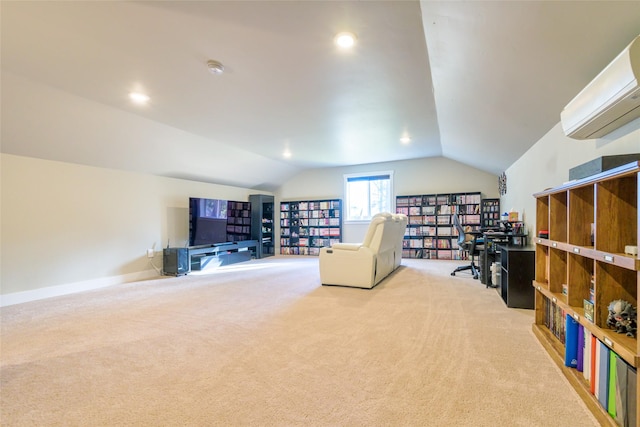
[238,221]
[308,225]
[430,232]
[262,209]
[490,212]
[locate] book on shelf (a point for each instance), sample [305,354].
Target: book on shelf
[603,374]
[580,355]
[611,401]
[571,342]
[429,210]
[593,362]
[586,355]
[415,210]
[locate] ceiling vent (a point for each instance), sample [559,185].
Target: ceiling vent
[611,100]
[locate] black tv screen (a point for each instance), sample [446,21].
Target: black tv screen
[207,221]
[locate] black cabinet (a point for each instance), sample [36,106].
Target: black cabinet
[517,264]
[262,224]
[175,261]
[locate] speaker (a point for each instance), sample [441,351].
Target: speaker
[175,261]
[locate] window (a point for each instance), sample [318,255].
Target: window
[367,194]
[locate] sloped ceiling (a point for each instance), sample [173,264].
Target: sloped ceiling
[478,82]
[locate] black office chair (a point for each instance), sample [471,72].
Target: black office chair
[472,245]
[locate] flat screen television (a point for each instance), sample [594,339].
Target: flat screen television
[207,221]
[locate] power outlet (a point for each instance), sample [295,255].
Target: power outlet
[150,253]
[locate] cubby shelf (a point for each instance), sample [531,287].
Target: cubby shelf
[588,223]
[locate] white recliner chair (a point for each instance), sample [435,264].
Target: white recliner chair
[364,265]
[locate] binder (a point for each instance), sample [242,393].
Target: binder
[603,374]
[611,400]
[586,372]
[571,342]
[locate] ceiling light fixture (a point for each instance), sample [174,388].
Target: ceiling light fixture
[139,98]
[215,67]
[405,139]
[286,154]
[345,40]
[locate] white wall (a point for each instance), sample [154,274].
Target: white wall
[421,176]
[71,227]
[547,164]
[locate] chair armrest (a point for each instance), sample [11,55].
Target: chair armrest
[347,246]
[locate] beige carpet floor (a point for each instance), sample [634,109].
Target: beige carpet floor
[262,343]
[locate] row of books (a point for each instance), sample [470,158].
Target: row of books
[439,210]
[554,319]
[299,251]
[318,213]
[611,380]
[433,254]
[241,206]
[238,220]
[466,199]
[311,231]
[310,222]
[439,199]
[243,229]
[424,230]
[238,213]
[310,206]
[311,249]
[439,230]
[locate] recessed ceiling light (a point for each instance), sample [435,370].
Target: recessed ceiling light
[405,139]
[345,40]
[215,67]
[286,154]
[139,98]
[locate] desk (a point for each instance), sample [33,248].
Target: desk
[491,253]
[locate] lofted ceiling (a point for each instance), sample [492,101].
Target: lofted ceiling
[478,82]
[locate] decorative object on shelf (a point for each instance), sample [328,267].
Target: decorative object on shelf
[588,310]
[502,184]
[622,317]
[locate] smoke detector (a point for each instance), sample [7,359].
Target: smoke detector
[215,67]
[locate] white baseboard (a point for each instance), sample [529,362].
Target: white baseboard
[72,288]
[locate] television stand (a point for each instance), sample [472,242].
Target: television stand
[222,254]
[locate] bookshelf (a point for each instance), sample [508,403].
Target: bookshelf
[238,221]
[582,265]
[490,212]
[308,225]
[262,223]
[430,233]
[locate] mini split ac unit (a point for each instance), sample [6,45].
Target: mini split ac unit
[611,100]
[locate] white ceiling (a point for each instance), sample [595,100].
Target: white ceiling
[478,82]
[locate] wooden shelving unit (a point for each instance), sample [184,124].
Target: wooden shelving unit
[430,233]
[589,222]
[308,225]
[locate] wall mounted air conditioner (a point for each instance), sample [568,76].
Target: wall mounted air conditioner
[611,100]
